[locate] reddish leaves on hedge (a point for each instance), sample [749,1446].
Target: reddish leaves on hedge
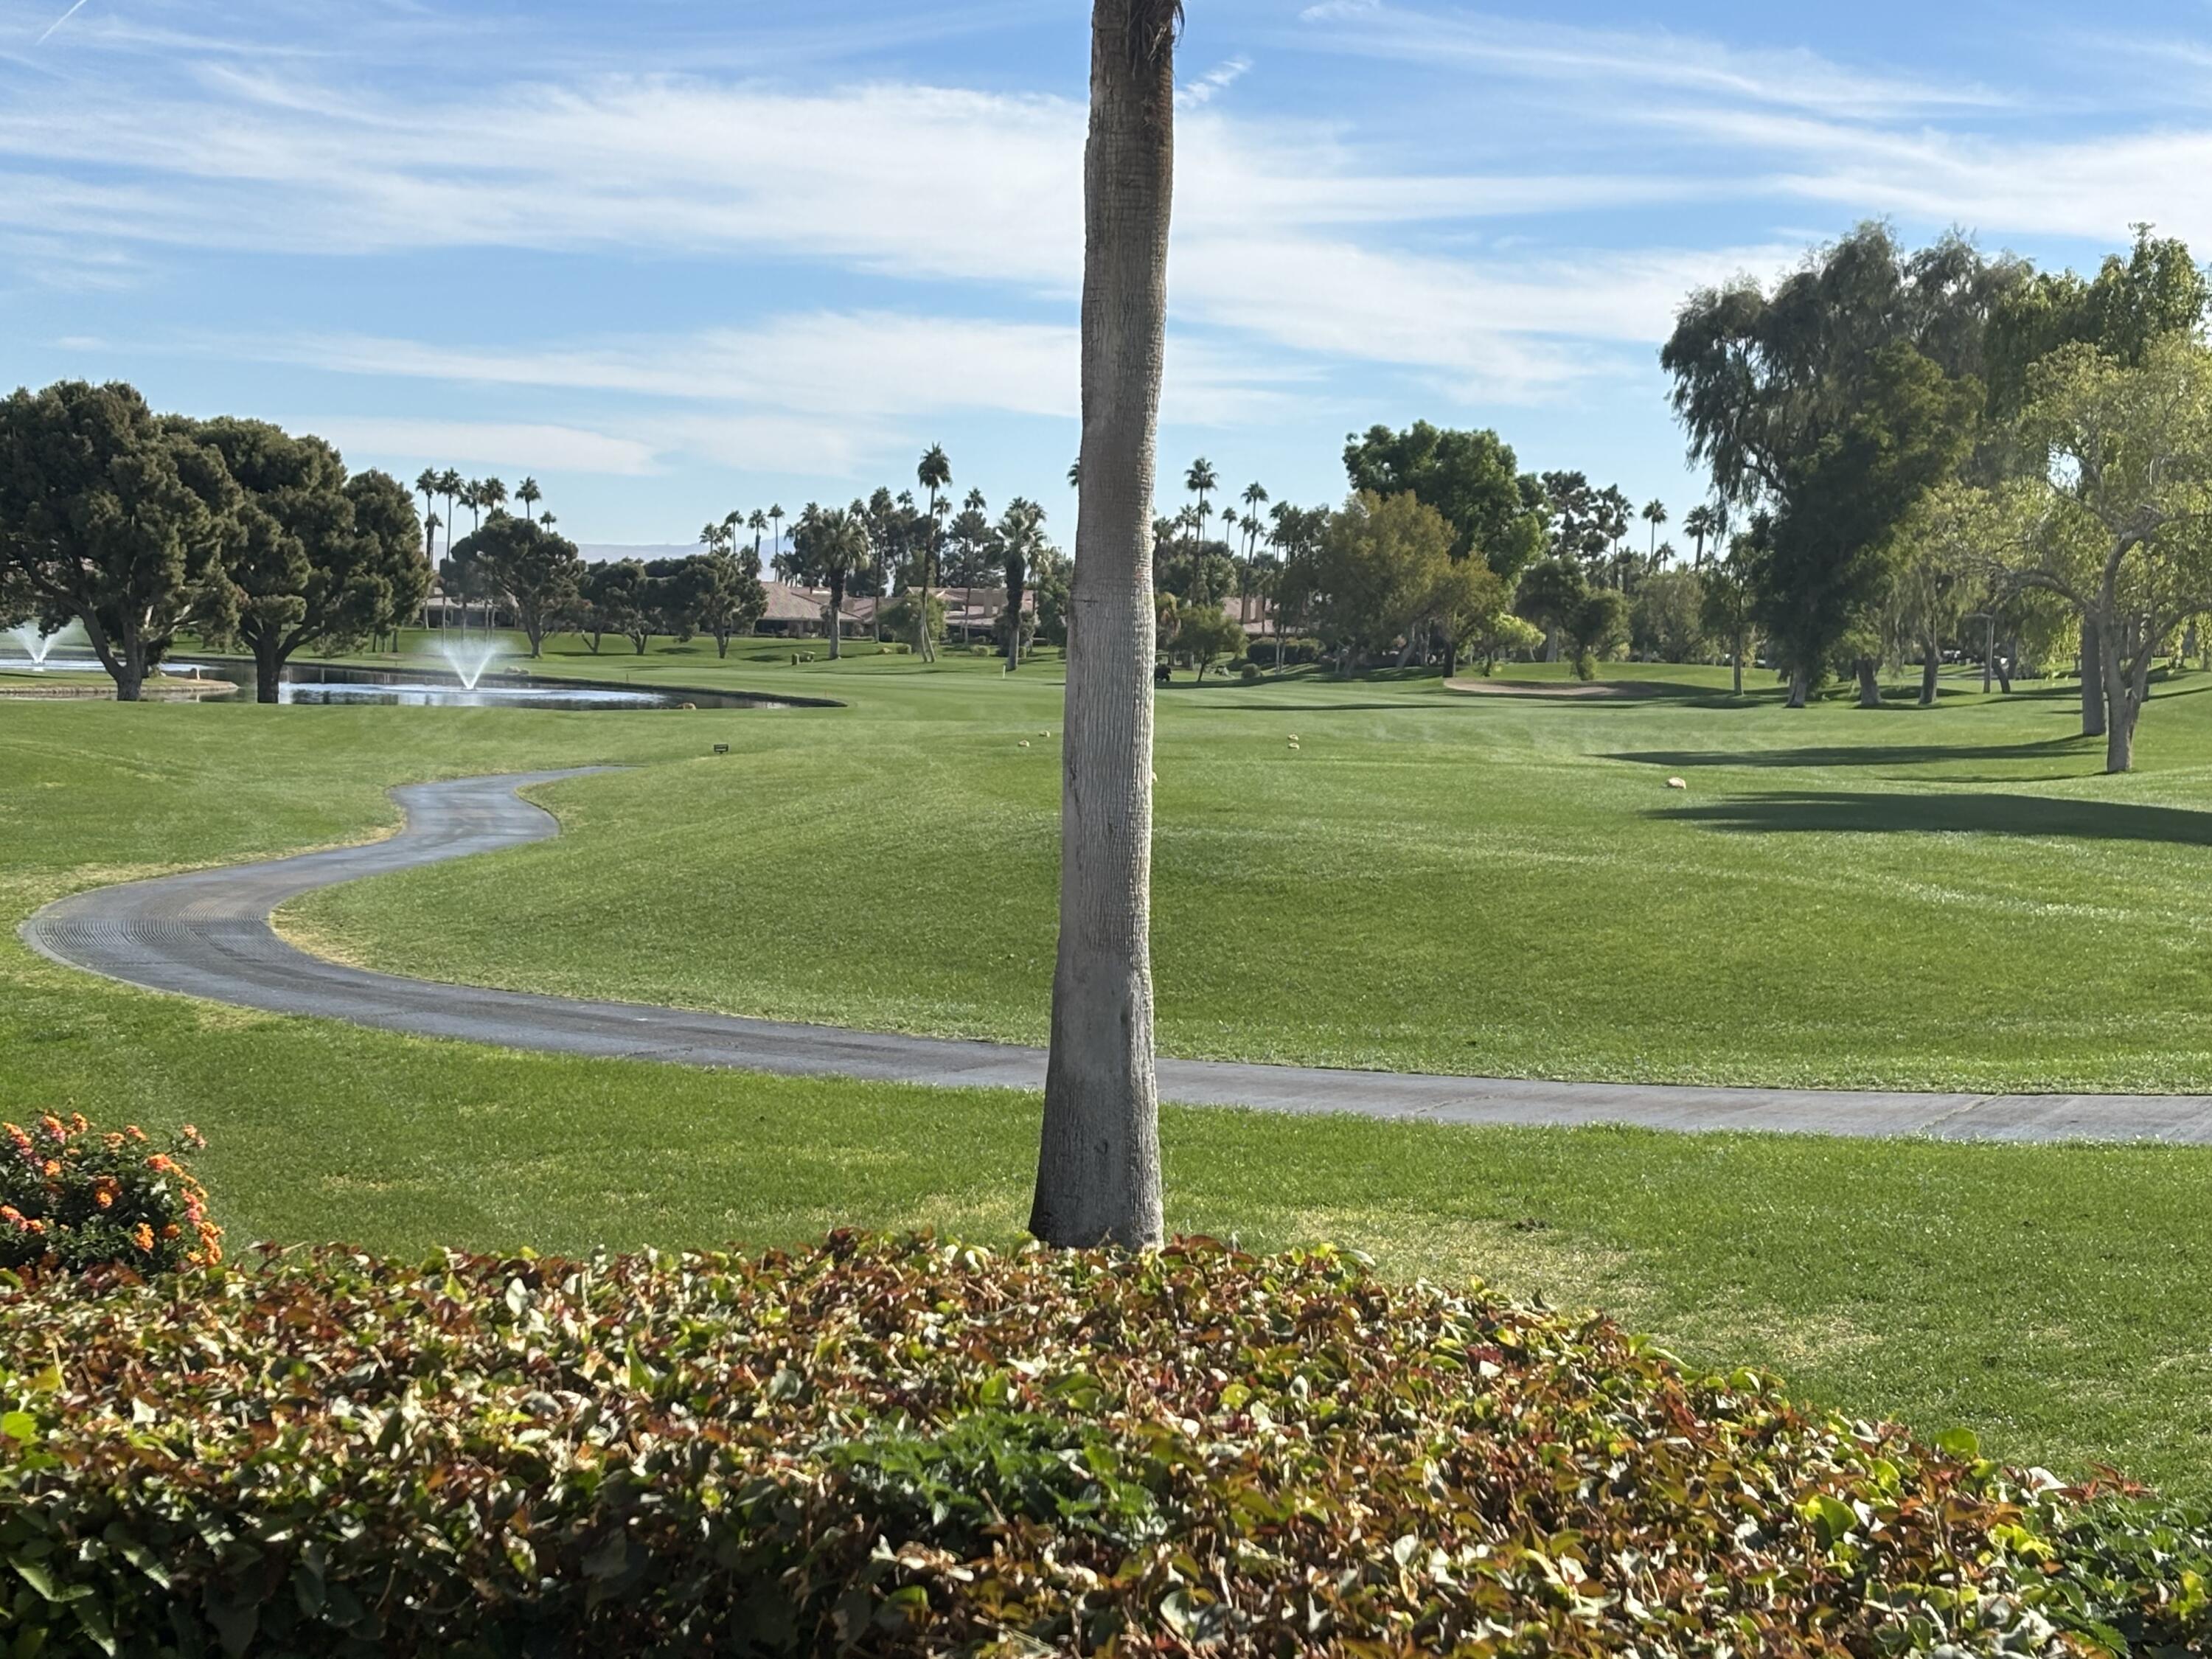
[900,1446]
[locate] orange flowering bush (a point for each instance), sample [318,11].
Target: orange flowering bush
[72,1196]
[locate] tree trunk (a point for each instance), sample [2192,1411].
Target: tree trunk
[1098,1163]
[1737,657]
[1799,686]
[836,616]
[1931,663]
[1870,685]
[2093,682]
[268,670]
[2125,687]
[2003,665]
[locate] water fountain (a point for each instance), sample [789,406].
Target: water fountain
[35,644]
[468,661]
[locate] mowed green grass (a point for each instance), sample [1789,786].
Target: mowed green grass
[1953,898]
[2056,1298]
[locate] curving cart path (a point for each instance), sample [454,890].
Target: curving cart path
[207,934]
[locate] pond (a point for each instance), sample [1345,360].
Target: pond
[322,684]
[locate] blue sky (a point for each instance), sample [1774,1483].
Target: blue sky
[674,257]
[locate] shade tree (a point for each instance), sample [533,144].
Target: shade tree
[323,557]
[538,572]
[1470,477]
[115,519]
[2123,529]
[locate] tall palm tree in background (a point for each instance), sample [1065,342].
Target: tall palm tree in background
[757,523]
[1075,473]
[450,485]
[491,496]
[1098,1158]
[529,495]
[933,472]
[1702,524]
[1655,515]
[426,486]
[1255,497]
[1202,481]
[776,518]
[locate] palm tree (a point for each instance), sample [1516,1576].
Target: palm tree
[529,495]
[933,472]
[491,496]
[1701,523]
[1202,481]
[776,518]
[1075,473]
[1655,515]
[1098,1159]
[450,486]
[426,486]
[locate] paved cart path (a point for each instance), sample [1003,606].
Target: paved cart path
[208,934]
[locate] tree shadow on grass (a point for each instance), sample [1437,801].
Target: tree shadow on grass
[1866,754]
[1839,812]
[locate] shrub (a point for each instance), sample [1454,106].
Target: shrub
[1296,651]
[72,1197]
[1249,671]
[898,1446]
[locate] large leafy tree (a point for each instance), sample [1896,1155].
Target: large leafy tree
[1382,563]
[1832,552]
[2155,291]
[1728,605]
[1470,477]
[116,520]
[615,600]
[2123,532]
[539,571]
[1098,1159]
[723,595]
[1790,397]
[322,558]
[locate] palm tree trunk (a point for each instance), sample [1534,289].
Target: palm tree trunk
[1098,1163]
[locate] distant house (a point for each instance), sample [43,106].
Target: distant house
[1257,616]
[796,612]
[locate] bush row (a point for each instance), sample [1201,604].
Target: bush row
[901,1446]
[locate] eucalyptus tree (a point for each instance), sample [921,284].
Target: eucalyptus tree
[1786,396]
[323,558]
[1098,1161]
[1729,606]
[2155,291]
[115,519]
[540,575]
[2123,528]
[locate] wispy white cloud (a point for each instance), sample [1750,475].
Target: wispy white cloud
[496,443]
[1206,88]
[1606,60]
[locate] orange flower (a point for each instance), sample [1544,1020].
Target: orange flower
[53,1126]
[162,1163]
[143,1236]
[78,1125]
[53,1169]
[112,1141]
[106,1192]
[191,1137]
[134,1132]
[172,1230]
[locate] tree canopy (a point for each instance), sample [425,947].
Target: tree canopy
[116,520]
[1470,477]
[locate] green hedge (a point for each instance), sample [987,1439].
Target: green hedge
[899,1446]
